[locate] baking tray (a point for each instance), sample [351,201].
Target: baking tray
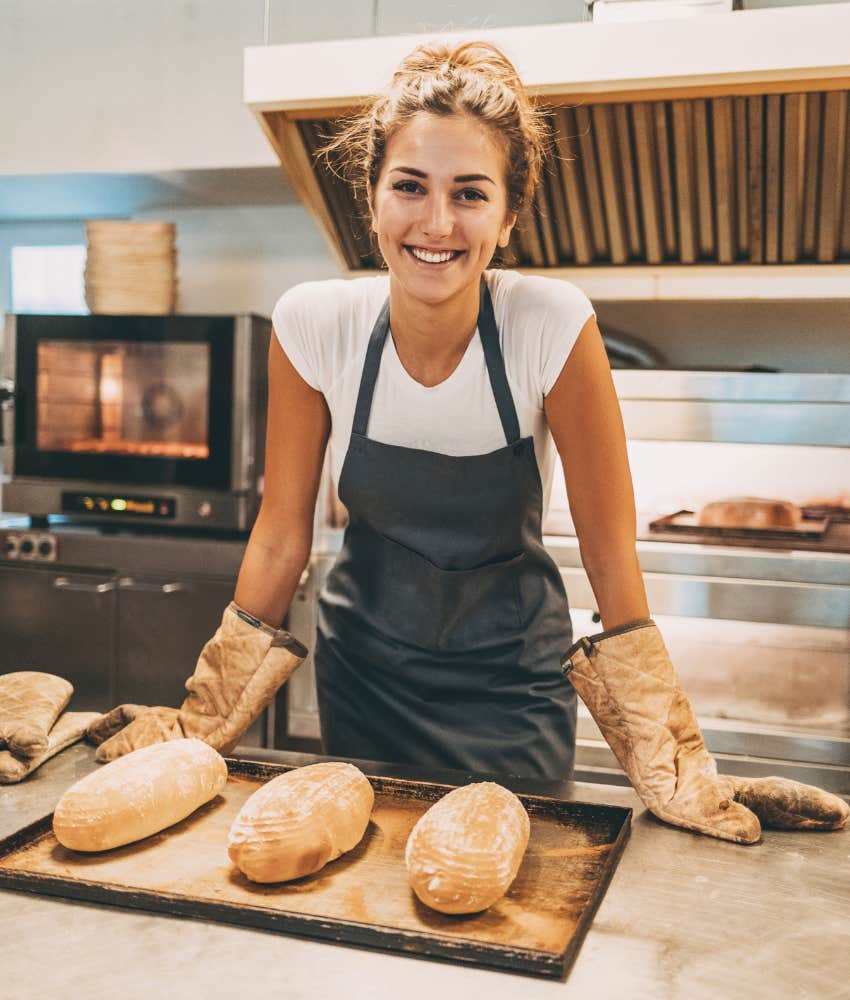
[362,898]
[686,521]
[835,513]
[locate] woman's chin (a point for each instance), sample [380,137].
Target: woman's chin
[434,286]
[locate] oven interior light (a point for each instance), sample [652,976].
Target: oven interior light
[118,504]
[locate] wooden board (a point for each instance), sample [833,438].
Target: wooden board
[362,898]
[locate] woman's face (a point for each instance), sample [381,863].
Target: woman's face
[440,207]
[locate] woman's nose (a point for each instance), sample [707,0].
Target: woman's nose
[438,218]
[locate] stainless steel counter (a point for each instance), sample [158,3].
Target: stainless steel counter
[685,917]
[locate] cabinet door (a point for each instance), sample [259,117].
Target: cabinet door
[163,623]
[62,622]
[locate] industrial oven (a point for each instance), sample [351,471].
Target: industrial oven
[135,419]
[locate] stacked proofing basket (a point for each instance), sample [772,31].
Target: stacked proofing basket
[131,267]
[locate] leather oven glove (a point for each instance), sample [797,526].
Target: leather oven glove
[70,727]
[30,702]
[238,673]
[627,680]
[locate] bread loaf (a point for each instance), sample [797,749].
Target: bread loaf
[138,795]
[749,512]
[298,822]
[465,851]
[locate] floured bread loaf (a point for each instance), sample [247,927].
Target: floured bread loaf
[298,822]
[138,795]
[749,512]
[465,851]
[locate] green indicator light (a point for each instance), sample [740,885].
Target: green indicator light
[119,504]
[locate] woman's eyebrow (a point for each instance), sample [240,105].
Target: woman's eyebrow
[460,179]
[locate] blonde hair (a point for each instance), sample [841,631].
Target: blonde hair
[474,79]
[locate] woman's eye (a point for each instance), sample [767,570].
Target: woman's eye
[471,194]
[407,186]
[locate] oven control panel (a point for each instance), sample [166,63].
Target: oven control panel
[115,505]
[29,546]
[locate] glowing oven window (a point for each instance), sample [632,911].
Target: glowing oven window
[122,398]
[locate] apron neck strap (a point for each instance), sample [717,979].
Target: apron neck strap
[489,334]
[370,371]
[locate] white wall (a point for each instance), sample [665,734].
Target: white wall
[93,85]
[243,259]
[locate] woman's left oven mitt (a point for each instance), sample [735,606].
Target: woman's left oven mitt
[30,703]
[33,727]
[70,727]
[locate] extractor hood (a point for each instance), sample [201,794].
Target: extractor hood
[721,142]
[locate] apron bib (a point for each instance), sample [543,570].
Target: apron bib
[443,621]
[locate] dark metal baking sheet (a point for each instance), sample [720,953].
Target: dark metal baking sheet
[362,898]
[686,521]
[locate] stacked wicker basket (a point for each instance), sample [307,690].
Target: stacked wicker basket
[131,267]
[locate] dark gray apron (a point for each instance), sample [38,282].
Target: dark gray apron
[443,621]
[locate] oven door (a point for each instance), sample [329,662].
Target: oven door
[124,399]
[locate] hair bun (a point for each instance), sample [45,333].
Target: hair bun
[478,57]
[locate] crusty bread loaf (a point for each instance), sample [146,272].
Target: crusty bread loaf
[138,795]
[749,512]
[465,851]
[298,822]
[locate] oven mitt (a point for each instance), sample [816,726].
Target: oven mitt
[70,727]
[627,680]
[238,673]
[30,702]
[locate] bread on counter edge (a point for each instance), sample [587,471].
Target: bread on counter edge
[138,795]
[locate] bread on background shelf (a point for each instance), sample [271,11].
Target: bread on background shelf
[749,512]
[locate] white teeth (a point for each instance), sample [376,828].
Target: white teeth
[432,258]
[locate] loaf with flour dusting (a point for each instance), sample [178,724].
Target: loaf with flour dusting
[299,821]
[465,851]
[138,795]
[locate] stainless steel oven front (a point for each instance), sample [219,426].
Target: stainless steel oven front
[135,419]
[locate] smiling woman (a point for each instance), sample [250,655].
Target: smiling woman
[444,387]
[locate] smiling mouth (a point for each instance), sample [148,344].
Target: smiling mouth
[433,256]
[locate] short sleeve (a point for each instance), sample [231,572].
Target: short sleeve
[294,325]
[566,310]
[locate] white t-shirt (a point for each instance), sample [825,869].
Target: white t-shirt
[324,328]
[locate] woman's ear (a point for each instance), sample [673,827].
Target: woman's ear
[507,227]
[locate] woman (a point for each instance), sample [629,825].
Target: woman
[444,388]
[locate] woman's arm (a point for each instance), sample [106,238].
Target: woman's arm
[297,430]
[584,416]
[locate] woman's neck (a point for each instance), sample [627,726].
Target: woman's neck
[430,339]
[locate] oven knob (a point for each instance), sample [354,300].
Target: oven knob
[27,546]
[204,509]
[45,548]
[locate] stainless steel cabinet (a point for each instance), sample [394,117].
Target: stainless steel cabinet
[163,623]
[62,622]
